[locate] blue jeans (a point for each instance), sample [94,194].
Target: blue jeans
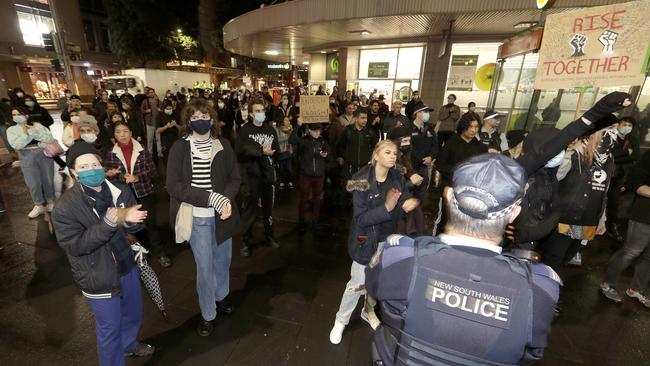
[117,321]
[212,265]
[38,171]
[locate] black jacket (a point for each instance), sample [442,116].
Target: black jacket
[40,115]
[312,164]
[355,146]
[423,144]
[491,140]
[638,176]
[583,191]
[281,112]
[224,175]
[249,150]
[622,157]
[371,222]
[93,245]
[455,151]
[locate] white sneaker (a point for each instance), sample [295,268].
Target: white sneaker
[37,211]
[637,295]
[371,319]
[337,332]
[50,207]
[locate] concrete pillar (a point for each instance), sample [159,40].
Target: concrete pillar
[434,76]
[9,79]
[343,69]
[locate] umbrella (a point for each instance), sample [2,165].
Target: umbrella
[148,277]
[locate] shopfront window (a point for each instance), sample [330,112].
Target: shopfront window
[33,23]
[392,72]
[469,78]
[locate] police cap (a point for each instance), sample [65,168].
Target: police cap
[495,181]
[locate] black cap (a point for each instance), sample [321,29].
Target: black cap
[75,96]
[314,126]
[514,137]
[76,150]
[494,180]
[398,133]
[381,97]
[419,106]
[491,114]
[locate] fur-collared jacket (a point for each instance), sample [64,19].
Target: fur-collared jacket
[371,222]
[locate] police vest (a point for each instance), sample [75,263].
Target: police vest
[463,309]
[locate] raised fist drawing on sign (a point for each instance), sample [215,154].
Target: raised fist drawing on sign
[608,39]
[578,43]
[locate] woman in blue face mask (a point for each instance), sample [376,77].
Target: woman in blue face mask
[92,222]
[203,181]
[28,139]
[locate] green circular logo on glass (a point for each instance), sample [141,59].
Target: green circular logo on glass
[334,65]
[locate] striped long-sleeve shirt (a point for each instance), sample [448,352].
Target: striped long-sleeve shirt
[201,173]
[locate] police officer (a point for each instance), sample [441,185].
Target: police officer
[455,299]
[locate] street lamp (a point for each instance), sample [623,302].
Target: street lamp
[179,30]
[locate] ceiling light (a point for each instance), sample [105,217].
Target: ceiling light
[525,24]
[271,52]
[361,32]
[323,51]
[305,62]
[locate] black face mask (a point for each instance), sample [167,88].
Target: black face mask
[405,149]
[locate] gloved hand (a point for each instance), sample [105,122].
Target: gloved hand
[610,103]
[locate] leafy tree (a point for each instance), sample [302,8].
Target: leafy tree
[184,47]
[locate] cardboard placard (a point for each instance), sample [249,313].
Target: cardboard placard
[314,108]
[595,47]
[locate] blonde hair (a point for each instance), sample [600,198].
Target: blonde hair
[382,145]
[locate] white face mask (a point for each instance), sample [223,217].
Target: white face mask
[556,161]
[89,137]
[221,105]
[425,117]
[20,95]
[74,119]
[169,111]
[624,130]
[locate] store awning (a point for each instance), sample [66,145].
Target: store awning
[287,32]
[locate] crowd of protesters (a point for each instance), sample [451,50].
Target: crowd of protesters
[224,153]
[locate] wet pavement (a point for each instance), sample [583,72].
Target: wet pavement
[285,301]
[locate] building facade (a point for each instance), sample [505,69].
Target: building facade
[25,62]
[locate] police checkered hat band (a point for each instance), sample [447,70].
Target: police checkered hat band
[488,186]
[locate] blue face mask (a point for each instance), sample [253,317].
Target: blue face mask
[201,126]
[556,161]
[260,117]
[425,117]
[91,177]
[19,118]
[451,100]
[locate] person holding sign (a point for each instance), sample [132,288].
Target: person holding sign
[312,151]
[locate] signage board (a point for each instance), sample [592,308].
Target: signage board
[314,108]
[378,69]
[595,47]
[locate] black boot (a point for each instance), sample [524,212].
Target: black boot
[225,306]
[205,327]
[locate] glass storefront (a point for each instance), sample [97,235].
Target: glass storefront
[467,78]
[392,72]
[46,83]
[527,108]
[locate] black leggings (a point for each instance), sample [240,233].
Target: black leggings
[558,249]
[154,243]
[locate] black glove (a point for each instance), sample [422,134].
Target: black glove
[604,122]
[610,103]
